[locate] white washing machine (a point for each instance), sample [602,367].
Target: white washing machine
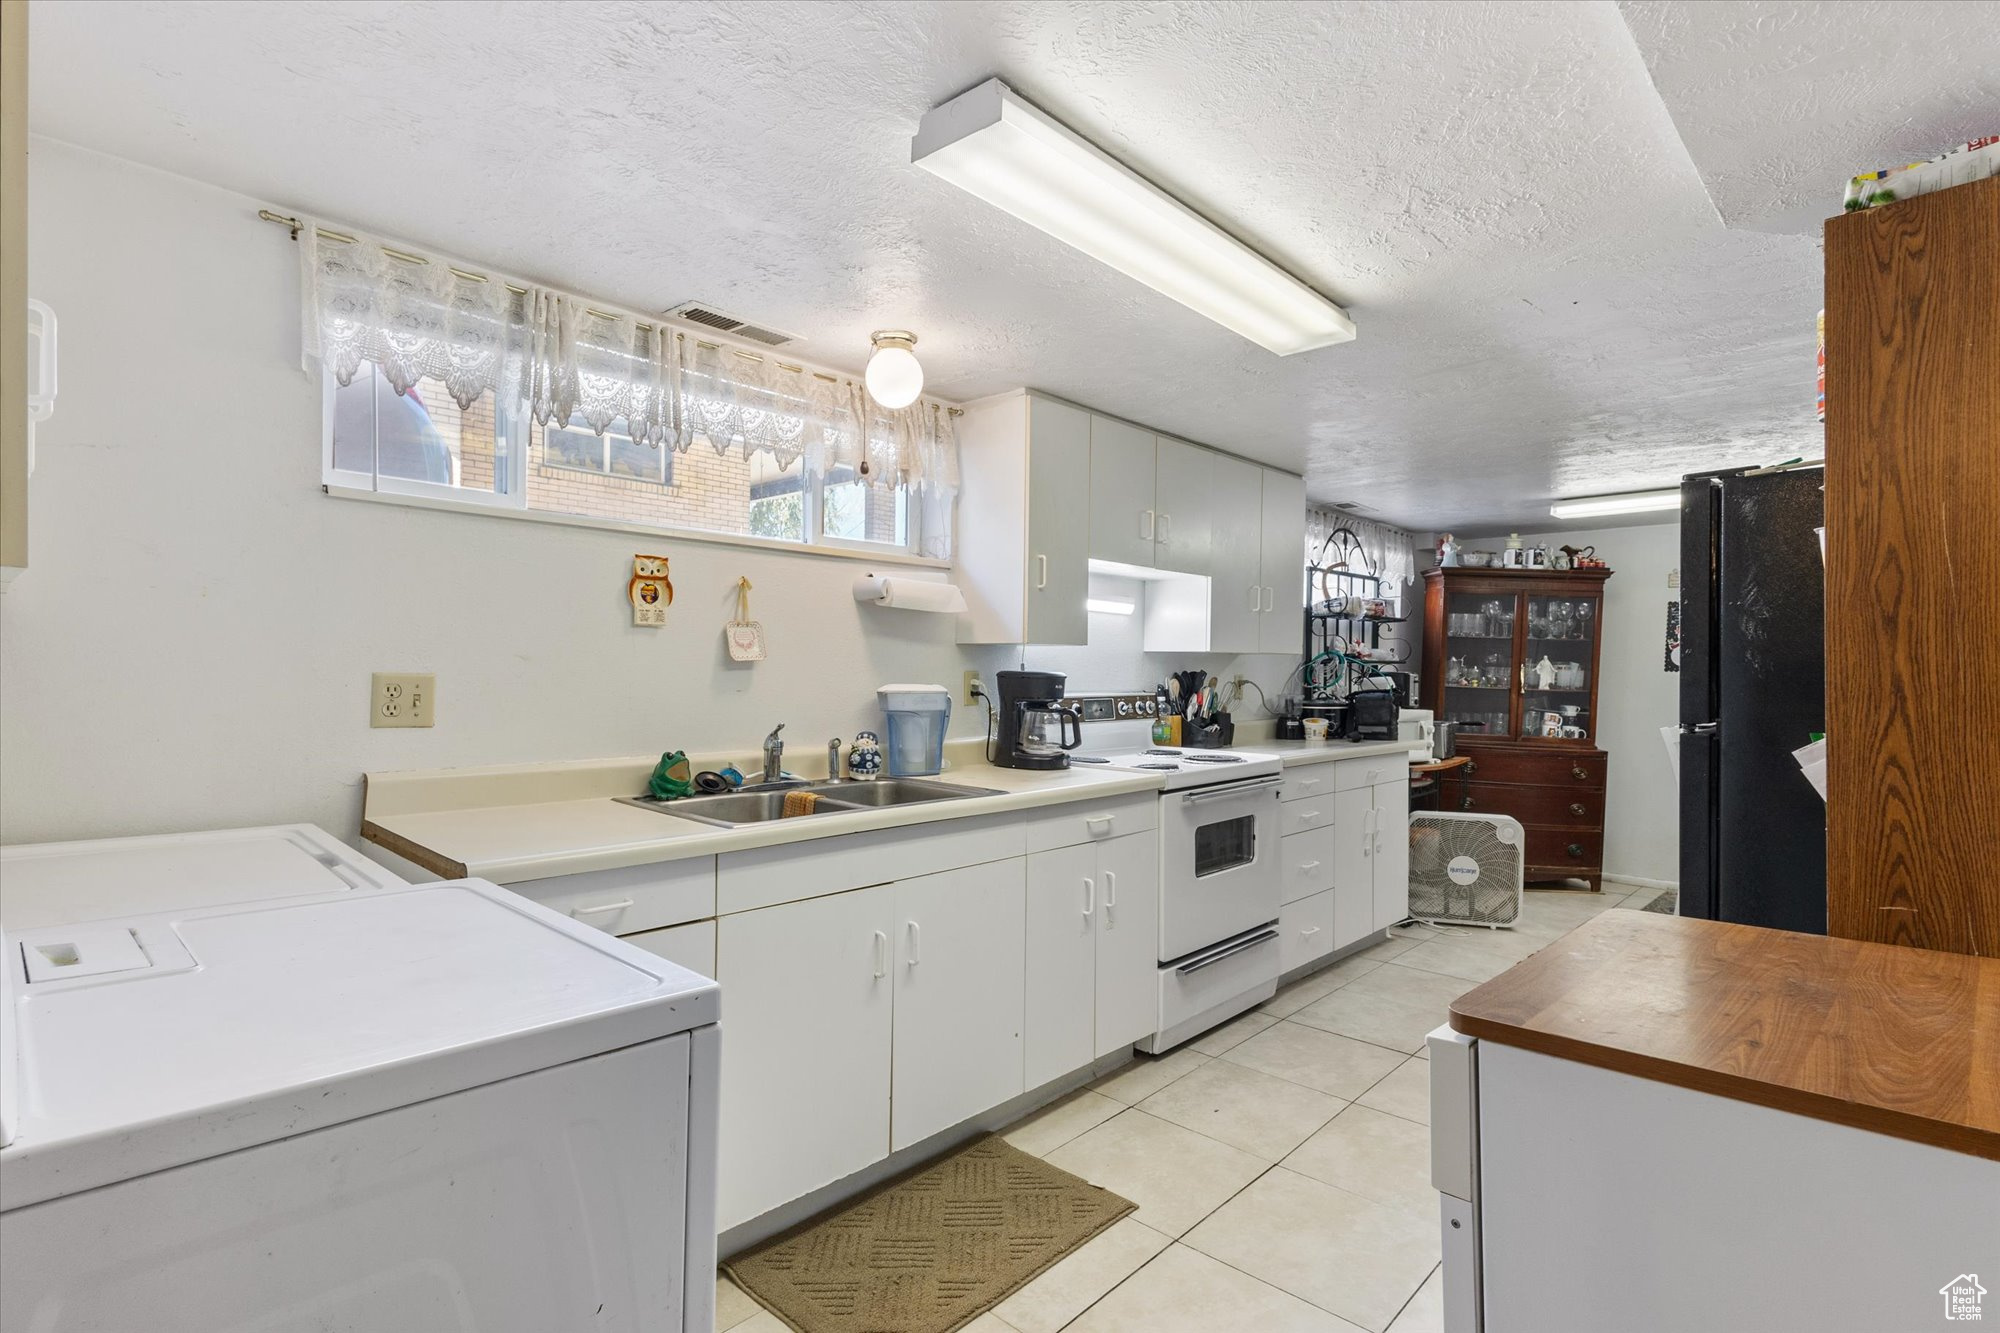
[414,1109]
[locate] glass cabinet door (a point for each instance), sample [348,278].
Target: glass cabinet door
[1561,651]
[1481,667]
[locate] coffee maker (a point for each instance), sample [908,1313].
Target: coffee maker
[1036,731]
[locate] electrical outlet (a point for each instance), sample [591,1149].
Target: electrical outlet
[402,699]
[974,687]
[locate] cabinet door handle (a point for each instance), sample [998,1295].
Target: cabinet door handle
[1041,571]
[1110,898]
[881,954]
[1089,897]
[1471,767]
[1166,527]
[1576,849]
[1256,598]
[1091,825]
[1366,835]
[1309,932]
[1147,534]
[599,909]
[1305,815]
[914,938]
[1270,598]
[1580,773]
[1306,784]
[1465,804]
[1576,807]
[1307,867]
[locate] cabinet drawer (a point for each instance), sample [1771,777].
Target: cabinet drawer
[1562,807]
[1092,821]
[1315,812]
[1307,862]
[1306,928]
[1573,850]
[1568,768]
[1307,780]
[632,899]
[1349,774]
[692,946]
[745,881]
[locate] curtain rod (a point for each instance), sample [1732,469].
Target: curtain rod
[297,225]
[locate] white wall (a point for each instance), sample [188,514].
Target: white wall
[1636,696]
[191,644]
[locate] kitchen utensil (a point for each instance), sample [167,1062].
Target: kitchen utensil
[744,636]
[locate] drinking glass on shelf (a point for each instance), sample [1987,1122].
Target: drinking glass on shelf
[1584,611]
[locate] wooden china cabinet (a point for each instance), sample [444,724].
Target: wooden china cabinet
[1528,729]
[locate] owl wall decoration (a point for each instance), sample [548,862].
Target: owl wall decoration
[650,591]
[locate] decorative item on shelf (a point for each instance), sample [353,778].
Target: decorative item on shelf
[744,636]
[1513,557]
[864,757]
[1545,674]
[1447,552]
[894,376]
[650,591]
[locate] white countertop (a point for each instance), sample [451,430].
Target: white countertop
[533,822]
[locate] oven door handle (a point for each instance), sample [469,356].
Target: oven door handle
[1263,936]
[1271,783]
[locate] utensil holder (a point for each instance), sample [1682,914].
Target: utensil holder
[1214,733]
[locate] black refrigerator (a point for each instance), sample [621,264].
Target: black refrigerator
[1753,689]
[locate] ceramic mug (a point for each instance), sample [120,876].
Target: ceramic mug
[1572,733]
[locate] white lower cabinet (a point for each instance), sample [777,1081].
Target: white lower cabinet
[1305,931]
[1093,928]
[1308,859]
[806,1045]
[1371,849]
[958,1006]
[691,946]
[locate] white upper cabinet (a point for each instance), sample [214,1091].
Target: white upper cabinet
[1237,595]
[1122,516]
[1024,521]
[1185,520]
[1283,542]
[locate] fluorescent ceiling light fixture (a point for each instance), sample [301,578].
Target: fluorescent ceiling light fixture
[1109,606]
[990,143]
[1639,502]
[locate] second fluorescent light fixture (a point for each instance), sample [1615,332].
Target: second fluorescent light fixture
[1639,502]
[990,143]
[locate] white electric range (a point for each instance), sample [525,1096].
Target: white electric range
[1220,882]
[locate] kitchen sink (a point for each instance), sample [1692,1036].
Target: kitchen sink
[895,791]
[740,808]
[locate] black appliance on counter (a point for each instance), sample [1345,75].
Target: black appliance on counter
[1372,715]
[1036,731]
[1753,689]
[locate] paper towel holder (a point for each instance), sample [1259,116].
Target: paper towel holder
[907,594]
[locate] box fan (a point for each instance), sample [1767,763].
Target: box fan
[1465,870]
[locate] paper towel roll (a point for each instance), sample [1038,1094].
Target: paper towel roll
[908,594]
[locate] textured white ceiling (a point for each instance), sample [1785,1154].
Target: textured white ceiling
[1548,301]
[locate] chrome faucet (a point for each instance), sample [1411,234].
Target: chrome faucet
[833,759]
[774,754]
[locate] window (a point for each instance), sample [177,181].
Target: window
[422,443]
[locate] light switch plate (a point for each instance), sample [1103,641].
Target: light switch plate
[402,699]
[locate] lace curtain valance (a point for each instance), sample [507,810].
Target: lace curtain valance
[564,357]
[1391,552]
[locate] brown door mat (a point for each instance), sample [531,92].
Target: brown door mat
[931,1251]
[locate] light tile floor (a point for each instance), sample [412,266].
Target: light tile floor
[1281,1162]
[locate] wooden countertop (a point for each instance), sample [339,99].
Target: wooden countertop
[1899,1041]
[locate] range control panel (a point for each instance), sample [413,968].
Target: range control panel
[1111,707]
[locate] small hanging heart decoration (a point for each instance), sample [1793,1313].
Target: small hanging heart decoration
[743,636]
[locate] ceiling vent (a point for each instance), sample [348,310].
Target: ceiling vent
[701,312]
[1351,507]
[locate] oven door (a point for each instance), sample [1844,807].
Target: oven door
[1219,870]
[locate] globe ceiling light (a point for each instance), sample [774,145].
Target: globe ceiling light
[895,377]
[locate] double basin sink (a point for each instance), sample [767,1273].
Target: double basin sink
[766,802]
